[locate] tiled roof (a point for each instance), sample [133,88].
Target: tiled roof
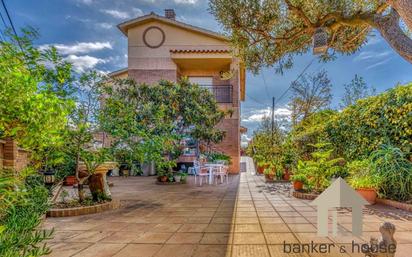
[199,51]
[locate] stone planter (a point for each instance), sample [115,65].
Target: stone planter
[83,210]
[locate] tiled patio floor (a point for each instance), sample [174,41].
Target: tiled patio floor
[243,218]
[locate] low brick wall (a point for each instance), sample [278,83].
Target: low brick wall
[304,196]
[396,204]
[83,210]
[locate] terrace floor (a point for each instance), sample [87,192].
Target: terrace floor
[245,218]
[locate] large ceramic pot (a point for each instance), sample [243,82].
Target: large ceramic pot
[297,185]
[368,194]
[269,177]
[163,178]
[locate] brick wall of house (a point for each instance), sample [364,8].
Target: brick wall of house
[1,153]
[13,157]
[152,76]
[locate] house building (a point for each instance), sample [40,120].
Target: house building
[160,47]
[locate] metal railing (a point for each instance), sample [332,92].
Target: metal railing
[222,93]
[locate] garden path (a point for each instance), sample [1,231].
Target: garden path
[242,219]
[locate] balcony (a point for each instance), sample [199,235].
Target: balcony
[222,93]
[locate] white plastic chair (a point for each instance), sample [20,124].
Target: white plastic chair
[223,173]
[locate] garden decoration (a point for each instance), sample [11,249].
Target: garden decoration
[320,41]
[385,246]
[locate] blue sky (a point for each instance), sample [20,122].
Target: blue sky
[85,32]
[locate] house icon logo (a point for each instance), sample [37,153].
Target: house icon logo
[339,195]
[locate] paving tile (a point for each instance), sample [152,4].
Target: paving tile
[100,250]
[152,238]
[227,228]
[139,250]
[111,226]
[250,251]
[133,227]
[121,237]
[185,238]
[279,238]
[275,228]
[213,251]
[67,249]
[271,220]
[90,236]
[279,251]
[216,238]
[193,227]
[166,228]
[176,251]
[247,228]
[302,228]
[248,238]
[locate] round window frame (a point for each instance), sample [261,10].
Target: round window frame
[161,42]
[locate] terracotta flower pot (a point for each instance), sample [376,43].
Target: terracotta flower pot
[286,174]
[269,177]
[368,194]
[70,180]
[297,185]
[163,179]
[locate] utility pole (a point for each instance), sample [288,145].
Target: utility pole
[273,118]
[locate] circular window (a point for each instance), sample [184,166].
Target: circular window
[153,37]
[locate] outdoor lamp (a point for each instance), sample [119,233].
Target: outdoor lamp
[48,177]
[320,41]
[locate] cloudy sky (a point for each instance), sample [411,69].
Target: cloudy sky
[85,32]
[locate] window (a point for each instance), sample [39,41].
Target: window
[202,81]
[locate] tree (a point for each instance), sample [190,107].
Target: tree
[82,126]
[35,94]
[311,93]
[271,32]
[151,120]
[356,90]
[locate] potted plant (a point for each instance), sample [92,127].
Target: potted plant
[269,174]
[298,181]
[162,175]
[279,174]
[364,180]
[183,177]
[70,180]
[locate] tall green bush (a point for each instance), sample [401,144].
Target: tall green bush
[361,128]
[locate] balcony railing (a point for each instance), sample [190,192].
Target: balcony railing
[222,93]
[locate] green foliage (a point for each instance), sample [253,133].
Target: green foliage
[268,33]
[395,170]
[309,132]
[35,95]
[361,128]
[320,168]
[216,156]
[299,177]
[362,176]
[150,121]
[22,205]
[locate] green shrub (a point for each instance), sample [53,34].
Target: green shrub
[361,128]
[362,175]
[22,204]
[395,170]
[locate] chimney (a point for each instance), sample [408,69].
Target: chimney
[170,14]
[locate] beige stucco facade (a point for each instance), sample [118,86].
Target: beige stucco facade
[162,48]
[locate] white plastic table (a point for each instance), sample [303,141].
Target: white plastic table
[210,167]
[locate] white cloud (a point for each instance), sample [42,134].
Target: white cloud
[104,25]
[117,14]
[86,2]
[83,63]
[79,48]
[258,115]
[135,12]
[377,64]
[368,55]
[185,1]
